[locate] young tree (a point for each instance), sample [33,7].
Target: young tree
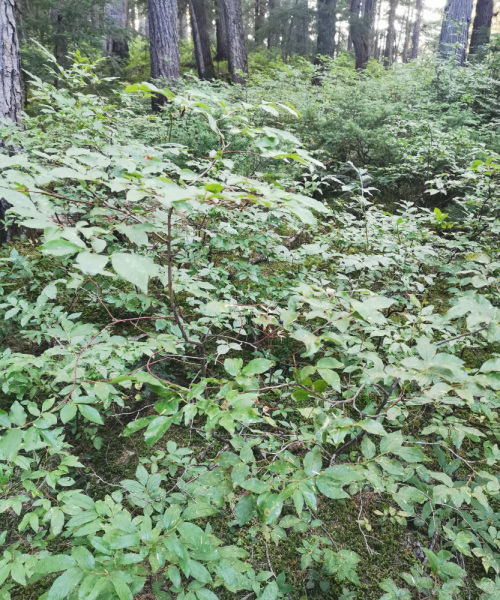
[327,20]
[11,101]
[391,34]
[237,58]
[481,29]
[361,28]
[455,29]
[201,37]
[164,42]
[415,40]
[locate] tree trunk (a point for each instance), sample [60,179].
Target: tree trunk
[201,37]
[361,28]
[237,59]
[391,34]
[327,22]
[182,19]
[415,42]
[221,33]
[481,29]
[301,28]
[273,35]
[164,43]
[116,14]
[455,30]
[260,15]
[143,26]
[406,44]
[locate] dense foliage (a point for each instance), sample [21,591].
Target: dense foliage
[250,344]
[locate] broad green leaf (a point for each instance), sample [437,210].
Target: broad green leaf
[245,509]
[257,366]
[64,585]
[90,413]
[135,269]
[91,264]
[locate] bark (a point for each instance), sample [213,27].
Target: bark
[60,36]
[183,19]
[406,44]
[201,37]
[416,29]
[327,22]
[361,28]
[11,101]
[116,14]
[273,35]
[391,34]
[221,33]
[260,15]
[237,59]
[455,30]
[164,43]
[481,30]
[301,28]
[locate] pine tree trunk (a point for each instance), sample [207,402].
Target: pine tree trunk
[11,101]
[237,59]
[415,41]
[273,36]
[301,28]
[455,29]
[406,45]
[182,20]
[481,30]
[201,37]
[260,15]
[361,28]
[391,34]
[164,43]
[116,14]
[327,22]
[221,33]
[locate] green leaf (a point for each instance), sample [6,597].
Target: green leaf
[174,575]
[368,448]
[54,563]
[373,426]
[68,412]
[329,363]
[137,425]
[226,572]
[56,521]
[270,592]
[90,413]
[199,510]
[313,462]
[257,366]
[410,454]
[233,366]
[254,485]
[10,443]
[64,585]
[60,247]
[121,586]
[157,429]
[245,509]
[91,264]
[312,342]
[199,572]
[135,269]
[331,377]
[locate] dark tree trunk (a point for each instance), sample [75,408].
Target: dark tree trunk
[116,14]
[11,100]
[237,59]
[361,28]
[455,29]
[164,43]
[221,33]
[481,30]
[391,34]
[415,41]
[260,15]
[273,35]
[60,36]
[201,38]
[327,22]
[301,28]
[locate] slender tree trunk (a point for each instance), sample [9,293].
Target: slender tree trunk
[11,100]
[182,20]
[391,34]
[415,40]
[361,28]
[455,29]
[301,28]
[260,16]
[143,27]
[238,66]
[481,30]
[60,36]
[327,22]
[406,45]
[164,43]
[221,33]
[116,14]
[201,37]
[273,35]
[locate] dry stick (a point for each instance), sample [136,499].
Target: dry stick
[363,433]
